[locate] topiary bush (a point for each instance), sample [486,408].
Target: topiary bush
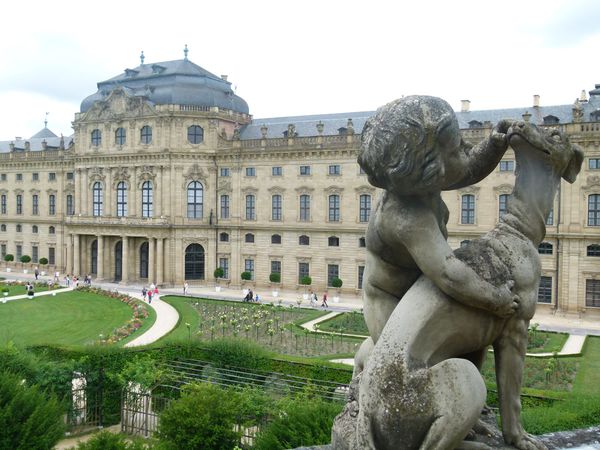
[219,273]
[275,277]
[25,259]
[29,417]
[337,282]
[246,276]
[8,257]
[302,421]
[306,280]
[43,261]
[203,418]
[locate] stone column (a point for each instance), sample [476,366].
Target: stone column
[76,256]
[151,273]
[100,274]
[133,195]
[159,261]
[125,260]
[159,189]
[84,207]
[69,265]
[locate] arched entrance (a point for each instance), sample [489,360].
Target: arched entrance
[119,261]
[94,258]
[144,251]
[194,262]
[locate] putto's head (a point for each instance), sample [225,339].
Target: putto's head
[405,143]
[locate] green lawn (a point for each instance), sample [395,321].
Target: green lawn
[19,289]
[71,318]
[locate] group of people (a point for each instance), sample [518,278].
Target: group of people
[250,297]
[150,292]
[314,300]
[29,288]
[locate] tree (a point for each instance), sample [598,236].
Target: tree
[246,276]
[275,277]
[337,282]
[8,257]
[43,261]
[25,259]
[306,280]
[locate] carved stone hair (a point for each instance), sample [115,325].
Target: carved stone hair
[399,135]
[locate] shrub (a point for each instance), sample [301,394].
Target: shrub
[337,282]
[275,277]
[219,272]
[203,418]
[25,259]
[29,418]
[306,280]
[43,261]
[302,421]
[246,276]
[237,353]
[110,441]
[8,257]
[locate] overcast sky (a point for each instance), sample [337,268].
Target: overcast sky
[301,57]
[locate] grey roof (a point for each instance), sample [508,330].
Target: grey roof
[179,82]
[36,143]
[44,133]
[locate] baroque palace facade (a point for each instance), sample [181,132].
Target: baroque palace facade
[167,177]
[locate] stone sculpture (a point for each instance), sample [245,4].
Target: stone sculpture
[421,386]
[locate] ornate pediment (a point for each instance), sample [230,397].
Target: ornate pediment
[334,190]
[196,173]
[276,190]
[503,189]
[119,105]
[225,186]
[96,174]
[592,183]
[121,174]
[365,189]
[147,173]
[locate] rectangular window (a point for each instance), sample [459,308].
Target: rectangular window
[70,205]
[592,293]
[249,267]
[507,166]
[250,207]
[51,256]
[19,251]
[35,210]
[52,176]
[34,254]
[303,271]
[594,210]
[276,267]
[250,171]
[3,177]
[35,176]
[70,176]
[467,211]
[3,204]
[304,170]
[594,163]
[502,204]
[19,204]
[52,204]
[361,272]
[305,208]
[545,290]
[147,199]
[334,208]
[224,206]
[224,264]
[333,271]
[224,171]
[334,169]
[3,250]
[19,177]
[277,171]
[364,208]
[276,207]
[550,218]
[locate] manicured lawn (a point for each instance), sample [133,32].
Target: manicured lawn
[348,322]
[70,318]
[19,289]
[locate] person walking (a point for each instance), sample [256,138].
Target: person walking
[155,296]
[144,293]
[185,288]
[324,303]
[313,299]
[36,273]
[150,293]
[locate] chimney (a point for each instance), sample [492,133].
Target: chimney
[224,77]
[27,146]
[536,101]
[44,145]
[583,96]
[526,116]
[465,105]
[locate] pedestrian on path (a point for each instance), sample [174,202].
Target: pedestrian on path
[155,293]
[324,304]
[313,299]
[36,273]
[144,293]
[56,279]
[150,292]
[185,288]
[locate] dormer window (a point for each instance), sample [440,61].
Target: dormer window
[130,73]
[157,68]
[551,120]
[96,137]
[475,124]
[146,134]
[343,131]
[595,116]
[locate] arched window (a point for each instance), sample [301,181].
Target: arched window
[249,238]
[502,203]
[224,237]
[195,134]
[144,258]
[70,205]
[34,229]
[51,230]
[96,137]
[146,134]
[467,210]
[334,208]
[304,240]
[364,208]
[97,199]
[224,206]
[147,199]
[121,199]
[333,241]
[250,207]
[195,200]
[305,207]
[276,239]
[120,136]
[545,248]
[276,207]
[592,250]
[194,262]
[594,210]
